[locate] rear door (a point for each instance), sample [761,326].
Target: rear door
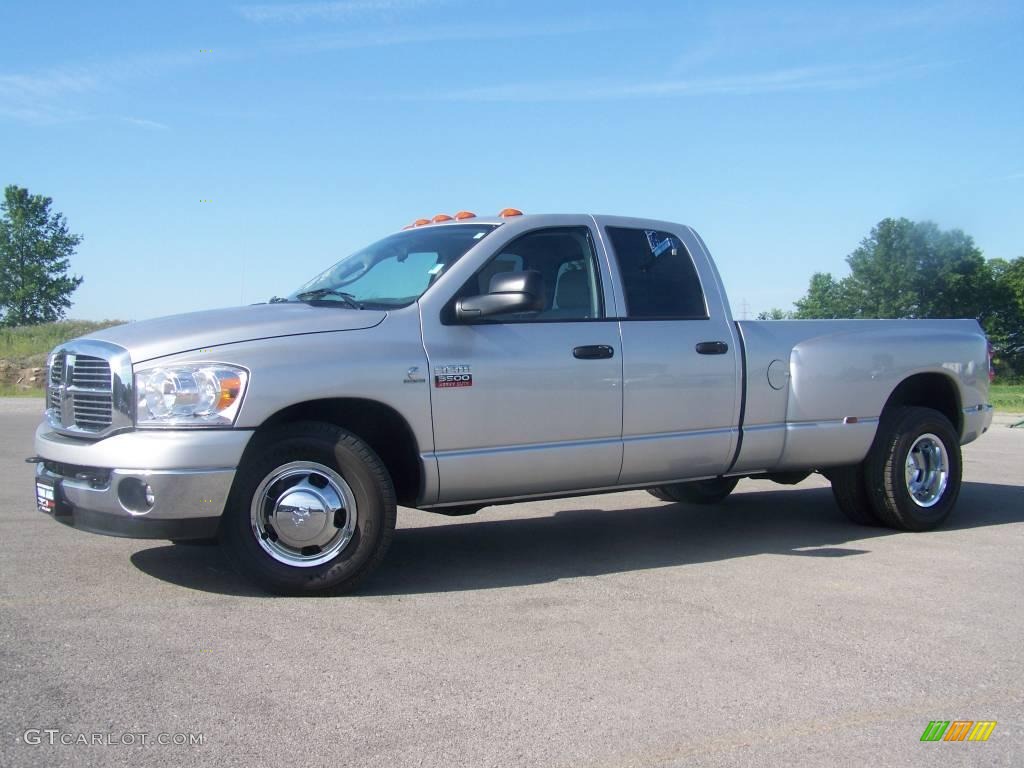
[681,370]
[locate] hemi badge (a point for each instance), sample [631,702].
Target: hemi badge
[850,420]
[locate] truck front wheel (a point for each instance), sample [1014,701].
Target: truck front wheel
[710,491]
[913,470]
[312,511]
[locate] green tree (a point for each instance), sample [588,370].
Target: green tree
[1011,275]
[827,298]
[906,269]
[913,269]
[1005,318]
[775,314]
[35,249]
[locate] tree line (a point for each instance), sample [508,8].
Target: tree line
[914,269]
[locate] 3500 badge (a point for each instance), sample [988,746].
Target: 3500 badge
[447,376]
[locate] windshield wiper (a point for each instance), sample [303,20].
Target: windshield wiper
[318,293]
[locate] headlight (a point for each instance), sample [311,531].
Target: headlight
[189,395]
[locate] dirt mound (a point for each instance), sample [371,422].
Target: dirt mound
[16,373]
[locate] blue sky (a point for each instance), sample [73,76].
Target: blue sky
[782,131]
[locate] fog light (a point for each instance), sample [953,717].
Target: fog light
[135,495]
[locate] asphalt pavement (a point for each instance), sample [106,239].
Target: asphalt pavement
[611,630]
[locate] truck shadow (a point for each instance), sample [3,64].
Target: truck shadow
[477,553]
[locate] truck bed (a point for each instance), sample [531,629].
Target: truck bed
[795,371]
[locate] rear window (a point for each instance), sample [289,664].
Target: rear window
[658,275]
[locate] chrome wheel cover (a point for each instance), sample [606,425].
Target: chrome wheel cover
[927,470]
[303,514]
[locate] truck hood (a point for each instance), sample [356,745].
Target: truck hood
[173,334]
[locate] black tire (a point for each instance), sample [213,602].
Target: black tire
[851,494]
[710,491]
[371,487]
[885,470]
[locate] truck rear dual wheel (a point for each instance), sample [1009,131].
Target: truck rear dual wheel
[312,511]
[851,494]
[710,491]
[911,477]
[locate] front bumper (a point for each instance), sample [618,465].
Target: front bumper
[97,486]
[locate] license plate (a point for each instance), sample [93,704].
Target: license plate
[46,495]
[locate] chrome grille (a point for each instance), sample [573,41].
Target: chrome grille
[90,373]
[93,412]
[53,403]
[89,390]
[57,369]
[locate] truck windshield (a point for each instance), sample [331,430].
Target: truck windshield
[395,271]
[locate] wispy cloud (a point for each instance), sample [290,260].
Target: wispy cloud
[46,84]
[44,115]
[64,94]
[408,35]
[775,81]
[817,22]
[853,32]
[71,92]
[41,97]
[296,13]
[142,123]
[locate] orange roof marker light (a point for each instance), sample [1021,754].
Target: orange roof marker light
[441,217]
[508,212]
[463,215]
[420,222]
[408,226]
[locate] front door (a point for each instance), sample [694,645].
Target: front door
[529,403]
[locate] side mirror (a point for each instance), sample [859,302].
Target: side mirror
[509,292]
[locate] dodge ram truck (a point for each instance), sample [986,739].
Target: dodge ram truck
[468,361]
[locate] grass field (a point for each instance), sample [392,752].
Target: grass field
[6,390]
[28,343]
[1008,397]
[27,346]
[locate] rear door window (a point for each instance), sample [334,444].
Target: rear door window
[658,275]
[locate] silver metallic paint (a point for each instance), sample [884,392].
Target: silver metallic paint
[147,449]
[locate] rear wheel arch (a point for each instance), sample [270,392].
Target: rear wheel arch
[383,428]
[929,390]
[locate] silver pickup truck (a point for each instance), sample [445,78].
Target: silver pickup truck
[467,361]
